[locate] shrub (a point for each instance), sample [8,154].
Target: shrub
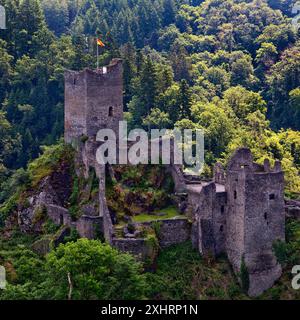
[244,276]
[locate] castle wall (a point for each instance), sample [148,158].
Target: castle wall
[59,215]
[264,224]
[172,231]
[178,178]
[292,209]
[75,104]
[205,218]
[255,218]
[243,219]
[89,227]
[219,222]
[93,100]
[105,99]
[235,217]
[209,218]
[108,229]
[137,247]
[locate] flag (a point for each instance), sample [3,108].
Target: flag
[100,43]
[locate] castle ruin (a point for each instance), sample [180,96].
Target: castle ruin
[240,212]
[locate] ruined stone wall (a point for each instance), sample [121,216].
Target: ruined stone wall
[89,227]
[171,232]
[178,178]
[137,247]
[264,224]
[292,209]
[235,217]
[192,211]
[219,221]
[88,155]
[59,215]
[219,174]
[205,219]
[108,229]
[105,98]
[75,104]
[93,100]
[174,231]
[255,218]
[208,206]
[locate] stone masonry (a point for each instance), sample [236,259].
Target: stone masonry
[93,100]
[240,213]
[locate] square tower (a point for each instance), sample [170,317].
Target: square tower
[255,218]
[93,100]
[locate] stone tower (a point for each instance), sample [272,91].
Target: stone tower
[255,218]
[93,100]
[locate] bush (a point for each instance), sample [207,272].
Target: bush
[244,276]
[281,250]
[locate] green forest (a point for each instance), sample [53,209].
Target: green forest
[229,67]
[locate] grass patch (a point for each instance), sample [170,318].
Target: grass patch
[169,213]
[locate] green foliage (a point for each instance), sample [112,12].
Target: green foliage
[156,225]
[181,274]
[47,163]
[97,272]
[168,213]
[137,190]
[9,206]
[40,214]
[229,67]
[244,276]
[288,253]
[75,191]
[73,237]
[152,242]
[49,227]
[199,64]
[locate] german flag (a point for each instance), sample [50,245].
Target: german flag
[100,43]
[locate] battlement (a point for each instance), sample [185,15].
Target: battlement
[242,161]
[106,72]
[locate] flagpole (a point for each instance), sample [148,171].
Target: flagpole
[97,55]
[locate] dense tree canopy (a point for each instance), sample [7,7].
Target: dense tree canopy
[82,270]
[228,66]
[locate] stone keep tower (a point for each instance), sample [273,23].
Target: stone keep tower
[93,100]
[255,218]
